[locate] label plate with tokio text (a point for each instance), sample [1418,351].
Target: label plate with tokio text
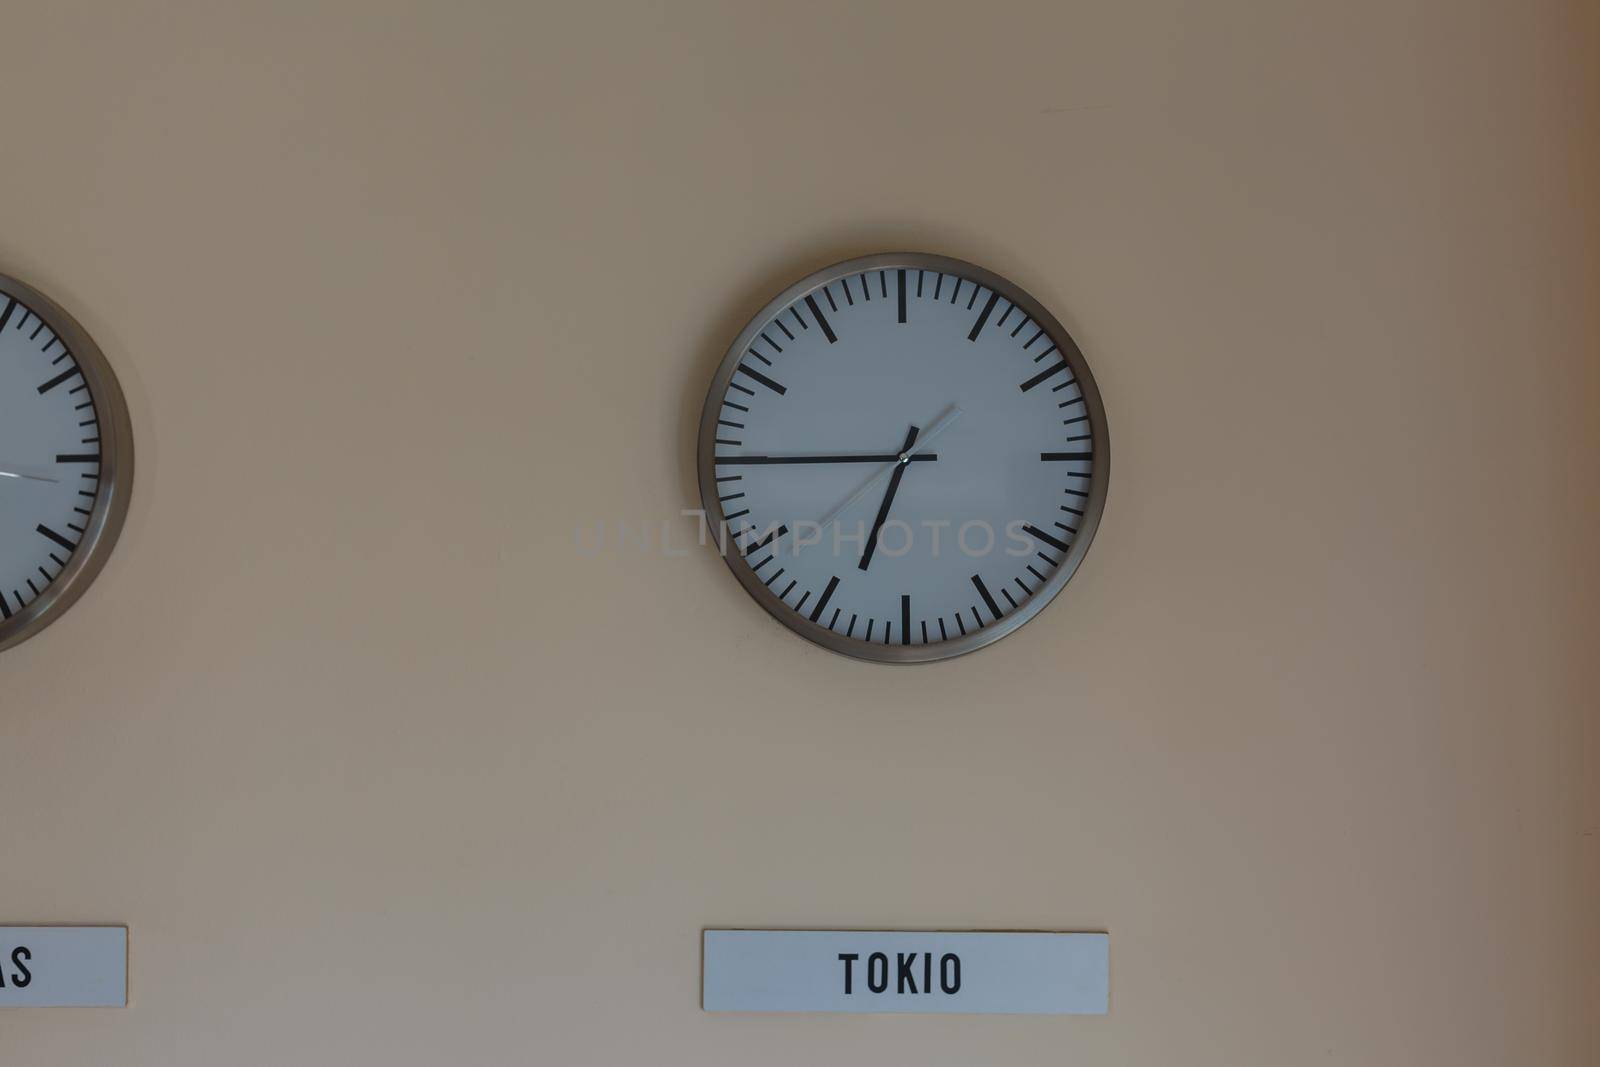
[906,971]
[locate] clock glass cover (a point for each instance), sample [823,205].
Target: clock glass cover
[903,457]
[66,460]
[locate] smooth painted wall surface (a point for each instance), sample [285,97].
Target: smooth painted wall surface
[380,768]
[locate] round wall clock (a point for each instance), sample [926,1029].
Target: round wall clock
[903,457]
[66,461]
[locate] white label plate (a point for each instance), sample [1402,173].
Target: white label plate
[906,971]
[63,966]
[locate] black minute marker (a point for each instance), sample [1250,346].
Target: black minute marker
[1042,375]
[983,317]
[763,379]
[988,600]
[57,380]
[827,594]
[57,538]
[822,320]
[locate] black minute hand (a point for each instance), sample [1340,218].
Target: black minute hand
[888,498]
[733,461]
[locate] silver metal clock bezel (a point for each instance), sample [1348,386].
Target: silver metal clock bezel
[895,653]
[110,506]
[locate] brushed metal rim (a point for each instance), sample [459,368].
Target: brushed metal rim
[110,507]
[819,634]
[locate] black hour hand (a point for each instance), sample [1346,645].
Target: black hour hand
[888,498]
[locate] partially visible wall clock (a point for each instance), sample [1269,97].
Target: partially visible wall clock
[907,455]
[66,460]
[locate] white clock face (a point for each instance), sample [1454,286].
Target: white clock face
[53,438]
[909,457]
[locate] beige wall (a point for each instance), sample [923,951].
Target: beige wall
[380,770]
